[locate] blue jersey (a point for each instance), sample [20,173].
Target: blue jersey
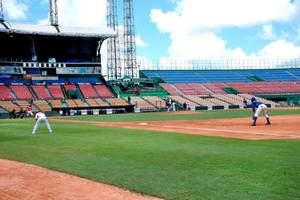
[255,104]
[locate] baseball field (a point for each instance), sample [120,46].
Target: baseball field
[180,155]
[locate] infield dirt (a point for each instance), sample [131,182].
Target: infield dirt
[282,127]
[23,181]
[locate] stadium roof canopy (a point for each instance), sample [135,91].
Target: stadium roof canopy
[34,29]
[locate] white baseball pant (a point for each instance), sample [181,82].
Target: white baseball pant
[37,124]
[262,108]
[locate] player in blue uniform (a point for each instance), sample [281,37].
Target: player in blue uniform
[257,108]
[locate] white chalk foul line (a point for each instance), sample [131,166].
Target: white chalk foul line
[225,130]
[8,124]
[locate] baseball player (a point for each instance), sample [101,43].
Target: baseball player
[257,108]
[41,117]
[29,110]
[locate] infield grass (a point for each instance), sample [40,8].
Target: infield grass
[171,166]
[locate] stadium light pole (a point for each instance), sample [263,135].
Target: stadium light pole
[129,40]
[113,47]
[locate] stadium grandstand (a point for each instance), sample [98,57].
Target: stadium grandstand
[276,80]
[58,68]
[54,68]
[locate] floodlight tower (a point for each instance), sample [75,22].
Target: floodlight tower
[1,12]
[53,13]
[130,65]
[113,44]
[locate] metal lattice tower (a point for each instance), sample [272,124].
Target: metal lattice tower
[113,44]
[1,12]
[130,65]
[53,12]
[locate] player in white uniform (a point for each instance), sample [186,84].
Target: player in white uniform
[41,117]
[259,107]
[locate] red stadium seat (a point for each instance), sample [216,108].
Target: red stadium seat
[5,93]
[56,91]
[41,92]
[22,92]
[103,91]
[88,91]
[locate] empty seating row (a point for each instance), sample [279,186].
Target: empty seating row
[55,103]
[41,92]
[200,89]
[241,87]
[142,104]
[216,88]
[116,102]
[12,80]
[200,101]
[9,105]
[5,93]
[182,100]
[43,105]
[171,89]
[213,76]
[47,105]
[56,91]
[59,80]
[224,100]
[78,80]
[96,102]
[156,101]
[24,92]
[88,91]
[230,98]
[36,105]
[103,91]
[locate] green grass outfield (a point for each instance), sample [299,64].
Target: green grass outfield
[171,166]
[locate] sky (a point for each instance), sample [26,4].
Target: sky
[186,29]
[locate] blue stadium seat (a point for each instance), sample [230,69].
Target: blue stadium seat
[77,80]
[214,76]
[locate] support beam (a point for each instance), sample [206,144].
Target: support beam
[53,12]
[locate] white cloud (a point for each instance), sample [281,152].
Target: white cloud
[79,13]
[140,42]
[280,49]
[210,46]
[15,10]
[193,27]
[237,53]
[267,32]
[166,22]
[206,45]
[44,21]
[84,13]
[193,15]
